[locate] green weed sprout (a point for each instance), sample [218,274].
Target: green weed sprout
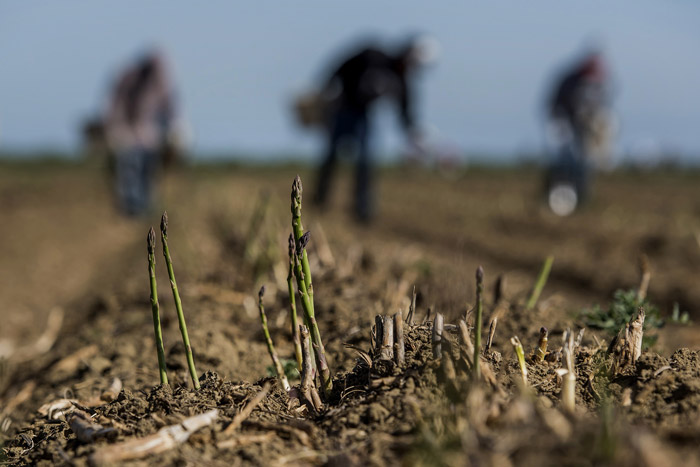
[268,340]
[151,242]
[178,303]
[622,310]
[293,305]
[479,316]
[302,272]
[539,284]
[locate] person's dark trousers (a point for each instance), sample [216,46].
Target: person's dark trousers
[349,126]
[570,166]
[135,172]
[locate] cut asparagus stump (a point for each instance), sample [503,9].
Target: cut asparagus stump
[151,242]
[476,367]
[178,303]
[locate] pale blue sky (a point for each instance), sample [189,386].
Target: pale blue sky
[237,65]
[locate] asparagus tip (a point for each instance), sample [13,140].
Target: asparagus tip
[543,330]
[291,245]
[261,293]
[164,223]
[480,274]
[303,241]
[297,188]
[151,240]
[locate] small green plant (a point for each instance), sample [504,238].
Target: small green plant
[540,283]
[678,317]
[178,302]
[622,310]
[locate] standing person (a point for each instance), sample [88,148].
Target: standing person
[579,124]
[358,82]
[139,117]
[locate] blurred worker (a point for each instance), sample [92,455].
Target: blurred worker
[352,88]
[139,120]
[580,128]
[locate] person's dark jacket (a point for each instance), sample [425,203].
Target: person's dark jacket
[369,75]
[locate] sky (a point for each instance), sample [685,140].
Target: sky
[238,66]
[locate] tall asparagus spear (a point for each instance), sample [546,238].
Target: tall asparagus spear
[298,230]
[302,271]
[178,303]
[479,317]
[268,340]
[151,242]
[293,305]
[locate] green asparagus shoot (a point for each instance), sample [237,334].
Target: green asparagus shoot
[302,273]
[151,242]
[178,303]
[268,340]
[293,305]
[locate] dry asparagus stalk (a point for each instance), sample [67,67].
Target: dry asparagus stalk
[246,411]
[399,345]
[438,326]
[467,341]
[308,389]
[518,347]
[492,332]
[268,340]
[151,242]
[178,303]
[165,439]
[411,308]
[378,335]
[539,284]
[541,349]
[479,316]
[645,272]
[387,350]
[293,304]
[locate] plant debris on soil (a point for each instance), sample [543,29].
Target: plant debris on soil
[98,386]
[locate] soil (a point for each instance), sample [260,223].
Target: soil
[69,251]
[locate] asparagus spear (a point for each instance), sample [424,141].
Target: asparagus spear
[151,242]
[178,303]
[293,305]
[302,272]
[270,346]
[310,318]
